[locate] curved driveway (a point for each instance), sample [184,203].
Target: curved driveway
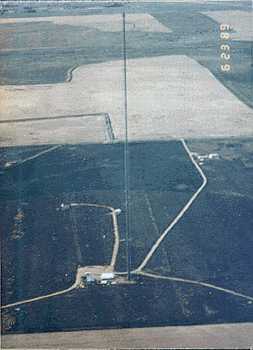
[77,282]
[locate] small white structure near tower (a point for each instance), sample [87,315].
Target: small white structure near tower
[107,276]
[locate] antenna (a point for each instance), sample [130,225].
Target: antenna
[128,239]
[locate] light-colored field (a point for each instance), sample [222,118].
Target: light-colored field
[216,336]
[110,23]
[168,97]
[240,21]
[91,129]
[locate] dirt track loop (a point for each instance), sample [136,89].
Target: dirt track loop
[115,227]
[110,268]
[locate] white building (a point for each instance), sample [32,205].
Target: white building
[107,276]
[213,156]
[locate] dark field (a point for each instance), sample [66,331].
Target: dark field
[43,52]
[149,302]
[42,246]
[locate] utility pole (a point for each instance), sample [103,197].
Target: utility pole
[128,238]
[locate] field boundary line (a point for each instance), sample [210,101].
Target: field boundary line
[176,279]
[54,117]
[181,213]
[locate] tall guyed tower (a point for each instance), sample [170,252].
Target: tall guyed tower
[127,192]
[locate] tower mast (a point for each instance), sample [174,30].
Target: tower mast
[127,197]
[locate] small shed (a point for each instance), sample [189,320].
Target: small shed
[90,279]
[213,156]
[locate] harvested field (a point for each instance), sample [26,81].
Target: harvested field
[59,130]
[240,22]
[167,97]
[107,23]
[41,50]
[218,336]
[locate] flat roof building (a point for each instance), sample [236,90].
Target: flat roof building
[107,276]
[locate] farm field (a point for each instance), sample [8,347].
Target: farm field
[43,245]
[41,48]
